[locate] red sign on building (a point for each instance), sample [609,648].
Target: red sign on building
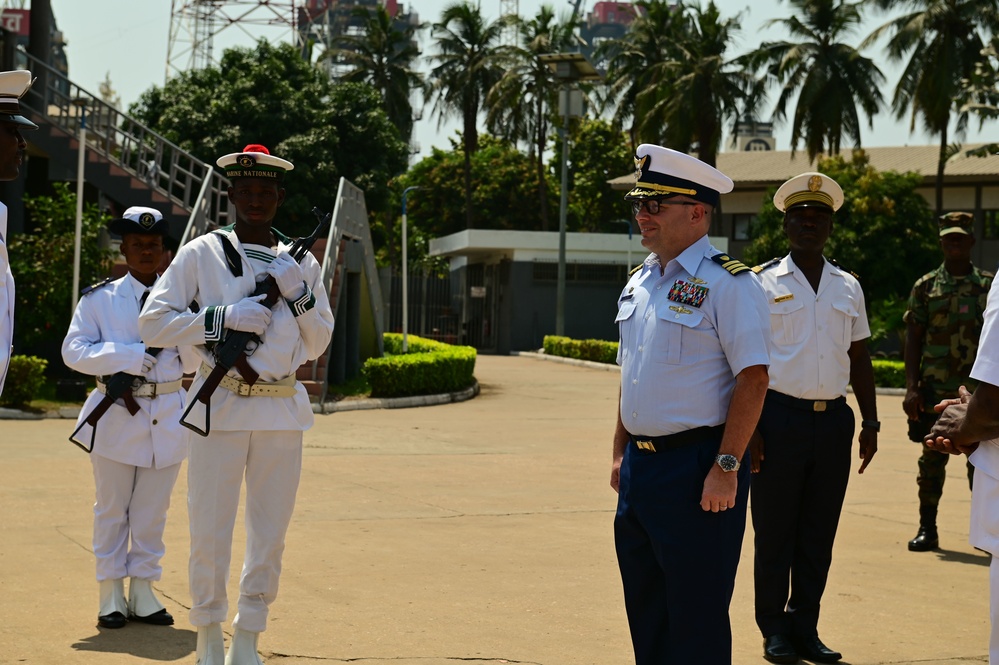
[17,21]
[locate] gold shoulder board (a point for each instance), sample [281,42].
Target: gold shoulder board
[734,266]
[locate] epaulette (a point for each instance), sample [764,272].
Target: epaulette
[734,266]
[95,286]
[836,263]
[635,269]
[769,264]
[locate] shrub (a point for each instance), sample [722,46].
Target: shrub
[889,373]
[429,368]
[25,378]
[597,350]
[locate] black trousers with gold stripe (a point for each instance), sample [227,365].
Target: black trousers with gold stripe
[796,501]
[678,562]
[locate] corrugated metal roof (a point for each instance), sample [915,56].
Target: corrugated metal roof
[774,167]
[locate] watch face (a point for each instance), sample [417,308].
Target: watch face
[728,462]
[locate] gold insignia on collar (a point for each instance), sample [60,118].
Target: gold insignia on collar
[696,280]
[814,183]
[679,309]
[631,289]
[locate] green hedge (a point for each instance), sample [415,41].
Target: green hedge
[25,378]
[429,368]
[887,373]
[597,350]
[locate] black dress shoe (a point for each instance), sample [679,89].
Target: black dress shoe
[778,649]
[113,620]
[811,648]
[161,618]
[925,540]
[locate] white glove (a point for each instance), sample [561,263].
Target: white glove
[248,315]
[288,274]
[147,363]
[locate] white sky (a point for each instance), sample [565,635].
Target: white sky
[128,39]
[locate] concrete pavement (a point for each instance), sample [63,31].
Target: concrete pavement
[472,532]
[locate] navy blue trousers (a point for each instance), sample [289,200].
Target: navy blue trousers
[797,497]
[678,562]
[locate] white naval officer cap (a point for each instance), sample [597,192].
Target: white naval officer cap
[255,161]
[811,190]
[13,85]
[663,172]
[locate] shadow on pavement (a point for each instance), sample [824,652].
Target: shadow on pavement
[150,642]
[977,558]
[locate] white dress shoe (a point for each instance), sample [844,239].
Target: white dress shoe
[243,649]
[211,648]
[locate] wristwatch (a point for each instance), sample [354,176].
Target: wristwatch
[873,424]
[728,463]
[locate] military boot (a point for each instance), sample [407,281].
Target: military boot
[926,538]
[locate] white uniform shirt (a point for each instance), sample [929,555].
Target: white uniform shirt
[6,300]
[200,273]
[812,332]
[684,336]
[986,368]
[103,339]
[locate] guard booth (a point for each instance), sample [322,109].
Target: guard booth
[503,284]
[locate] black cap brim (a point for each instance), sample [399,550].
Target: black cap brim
[18,120]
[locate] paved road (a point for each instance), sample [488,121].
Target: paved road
[472,532]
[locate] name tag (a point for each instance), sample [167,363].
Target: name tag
[789,296]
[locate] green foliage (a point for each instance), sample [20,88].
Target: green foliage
[597,153]
[504,190]
[597,350]
[885,320]
[884,232]
[41,260]
[271,95]
[25,378]
[429,368]
[889,373]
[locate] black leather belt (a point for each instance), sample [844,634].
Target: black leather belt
[806,404]
[657,444]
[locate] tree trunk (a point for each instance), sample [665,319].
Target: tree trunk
[542,189]
[941,163]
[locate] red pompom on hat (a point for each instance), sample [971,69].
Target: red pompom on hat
[256,147]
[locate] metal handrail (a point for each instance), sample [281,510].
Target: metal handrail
[166,168]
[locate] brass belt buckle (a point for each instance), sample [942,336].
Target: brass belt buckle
[819,405]
[645,445]
[244,389]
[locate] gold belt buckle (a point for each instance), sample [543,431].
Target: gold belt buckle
[819,405]
[244,389]
[645,445]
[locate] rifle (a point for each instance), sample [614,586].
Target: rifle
[119,386]
[238,345]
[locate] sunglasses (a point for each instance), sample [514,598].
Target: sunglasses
[653,205]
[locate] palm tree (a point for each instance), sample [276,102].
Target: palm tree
[943,41]
[520,103]
[831,79]
[670,77]
[382,56]
[466,67]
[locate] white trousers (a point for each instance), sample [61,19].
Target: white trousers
[132,501]
[271,462]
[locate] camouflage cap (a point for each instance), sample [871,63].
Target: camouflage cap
[957,222]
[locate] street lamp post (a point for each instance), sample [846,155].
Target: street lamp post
[568,68]
[405,274]
[81,103]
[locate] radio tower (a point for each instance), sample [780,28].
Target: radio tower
[194,24]
[509,8]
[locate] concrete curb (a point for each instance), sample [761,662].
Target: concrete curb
[607,367]
[396,402]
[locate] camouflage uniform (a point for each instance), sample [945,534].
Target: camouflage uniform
[950,309]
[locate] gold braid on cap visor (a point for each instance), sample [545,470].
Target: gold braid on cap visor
[666,189]
[801,197]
